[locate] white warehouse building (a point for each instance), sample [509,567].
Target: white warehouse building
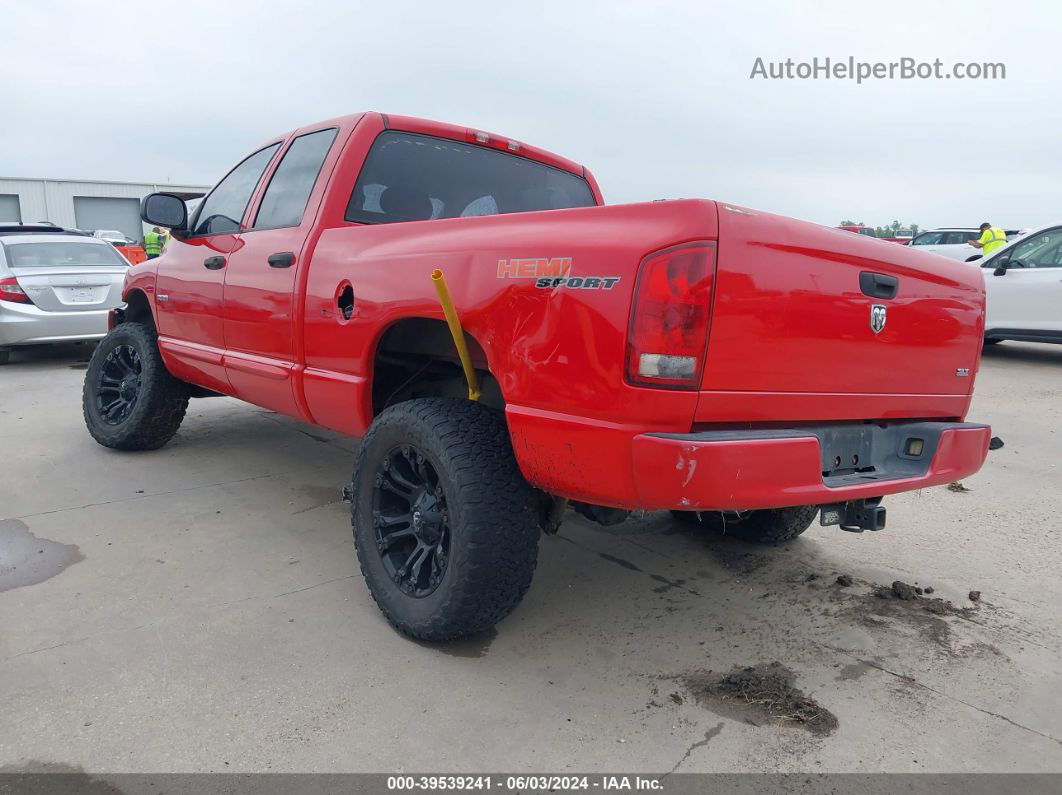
[81,204]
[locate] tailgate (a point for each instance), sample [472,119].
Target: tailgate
[790,313]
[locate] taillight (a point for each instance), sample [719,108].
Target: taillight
[10,291]
[669,319]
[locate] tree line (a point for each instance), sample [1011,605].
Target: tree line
[889,230]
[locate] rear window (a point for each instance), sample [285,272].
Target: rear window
[410,177]
[43,255]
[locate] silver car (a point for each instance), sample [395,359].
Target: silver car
[55,286]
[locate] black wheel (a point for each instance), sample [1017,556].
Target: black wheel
[130,400]
[768,526]
[445,526]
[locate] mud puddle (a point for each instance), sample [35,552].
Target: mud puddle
[28,560]
[759,695]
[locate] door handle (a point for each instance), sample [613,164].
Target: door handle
[878,285]
[214,263]
[282,259]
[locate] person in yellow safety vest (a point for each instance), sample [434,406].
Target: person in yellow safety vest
[992,238]
[153,243]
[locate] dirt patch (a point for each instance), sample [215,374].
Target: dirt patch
[759,695]
[904,592]
[905,604]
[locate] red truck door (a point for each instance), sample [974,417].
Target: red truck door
[191,275]
[262,274]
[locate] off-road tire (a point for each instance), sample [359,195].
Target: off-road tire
[160,404]
[493,517]
[768,526]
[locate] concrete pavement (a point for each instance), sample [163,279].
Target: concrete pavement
[199,608]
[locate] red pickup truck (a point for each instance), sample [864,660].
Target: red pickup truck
[731,366]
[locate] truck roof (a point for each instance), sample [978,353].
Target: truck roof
[467,135]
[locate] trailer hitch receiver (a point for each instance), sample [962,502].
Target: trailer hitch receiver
[854,516]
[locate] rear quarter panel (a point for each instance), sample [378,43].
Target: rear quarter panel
[558,350]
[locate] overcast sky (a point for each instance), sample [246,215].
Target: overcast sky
[655,98]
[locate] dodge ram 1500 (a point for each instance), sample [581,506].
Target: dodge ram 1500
[723,363]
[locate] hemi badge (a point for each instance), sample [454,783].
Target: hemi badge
[962,372]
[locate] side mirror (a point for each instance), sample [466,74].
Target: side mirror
[1001,270]
[164,209]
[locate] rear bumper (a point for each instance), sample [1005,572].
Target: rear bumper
[741,470]
[25,324]
[625,467]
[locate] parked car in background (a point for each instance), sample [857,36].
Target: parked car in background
[128,247]
[113,236]
[901,236]
[859,229]
[1023,282]
[56,285]
[954,241]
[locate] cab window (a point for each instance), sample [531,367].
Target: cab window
[221,211]
[928,239]
[410,177]
[290,186]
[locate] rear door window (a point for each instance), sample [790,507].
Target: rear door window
[290,186]
[409,177]
[221,211]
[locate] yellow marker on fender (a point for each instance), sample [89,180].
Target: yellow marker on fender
[457,332]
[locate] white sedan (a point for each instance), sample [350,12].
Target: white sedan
[1023,281]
